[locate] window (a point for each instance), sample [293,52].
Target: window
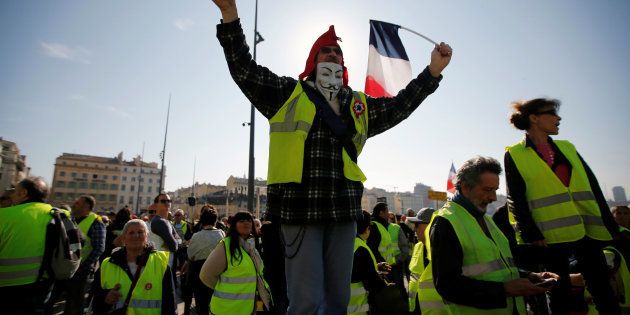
[84,175]
[101,197]
[122,199]
[61,184]
[130,200]
[141,180]
[132,188]
[104,176]
[93,185]
[150,180]
[82,184]
[140,188]
[104,186]
[74,174]
[124,178]
[63,163]
[113,187]
[115,177]
[134,170]
[58,195]
[125,169]
[72,184]
[133,179]
[122,187]
[62,173]
[149,200]
[94,176]
[149,189]
[112,198]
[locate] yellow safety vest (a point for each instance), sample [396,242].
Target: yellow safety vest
[394,230]
[624,275]
[235,292]
[430,301]
[22,242]
[385,247]
[358,295]
[84,226]
[563,214]
[289,128]
[416,267]
[146,298]
[484,259]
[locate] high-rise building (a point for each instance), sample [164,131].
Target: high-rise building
[12,165]
[108,179]
[619,194]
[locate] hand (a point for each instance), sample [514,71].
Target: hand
[540,243]
[228,9]
[383,266]
[522,287]
[113,296]
[184,268]
[440,58]
[536,277]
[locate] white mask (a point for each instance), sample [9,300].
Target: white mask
[329,79]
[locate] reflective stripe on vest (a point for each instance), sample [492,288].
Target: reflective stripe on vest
[135,303]
[486,258]
[234,296]
[146,297]
[237,280]
[23,238]
[563,214]
[289,128]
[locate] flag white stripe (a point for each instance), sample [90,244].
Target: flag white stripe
[392,74]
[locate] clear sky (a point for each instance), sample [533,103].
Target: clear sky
[94,77]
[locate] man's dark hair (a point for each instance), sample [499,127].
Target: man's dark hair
[208,217]
[470,172]
[363,222]
[522,110]
[157,198]
[91,202]
[36,188]
[619,208]
[378,208]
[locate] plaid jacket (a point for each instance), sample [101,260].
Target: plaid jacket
[324,195]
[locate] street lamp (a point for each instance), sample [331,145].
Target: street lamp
[250,181]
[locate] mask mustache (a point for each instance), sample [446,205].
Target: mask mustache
[332,87]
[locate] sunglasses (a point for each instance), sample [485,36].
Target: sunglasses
[548,112]
[328,50]
[165,201]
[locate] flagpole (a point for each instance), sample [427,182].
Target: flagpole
[412,31]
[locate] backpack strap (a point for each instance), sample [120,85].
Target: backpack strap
[52,236]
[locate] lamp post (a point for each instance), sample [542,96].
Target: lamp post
[250,181]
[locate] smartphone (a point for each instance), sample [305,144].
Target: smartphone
[547,283]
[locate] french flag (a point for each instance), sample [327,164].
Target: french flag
[389,69]
[450,183]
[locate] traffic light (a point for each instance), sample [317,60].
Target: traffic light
[192,201]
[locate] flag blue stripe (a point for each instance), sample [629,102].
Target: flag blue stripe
[384,37]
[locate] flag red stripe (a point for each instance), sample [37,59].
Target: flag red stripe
[374,89]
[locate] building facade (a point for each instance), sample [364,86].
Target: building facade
[13,166]
[108,179]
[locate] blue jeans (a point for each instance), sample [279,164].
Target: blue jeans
[318,267]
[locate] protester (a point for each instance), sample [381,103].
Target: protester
[557,203]
[22,241]
[184,231]
[471,263]
[315,185]
[621,214]
[419,259]
[201,245]
[5,199]
[234,271]
[114,231]
[136,279]
[366,281]
[163,235]
[94,231]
